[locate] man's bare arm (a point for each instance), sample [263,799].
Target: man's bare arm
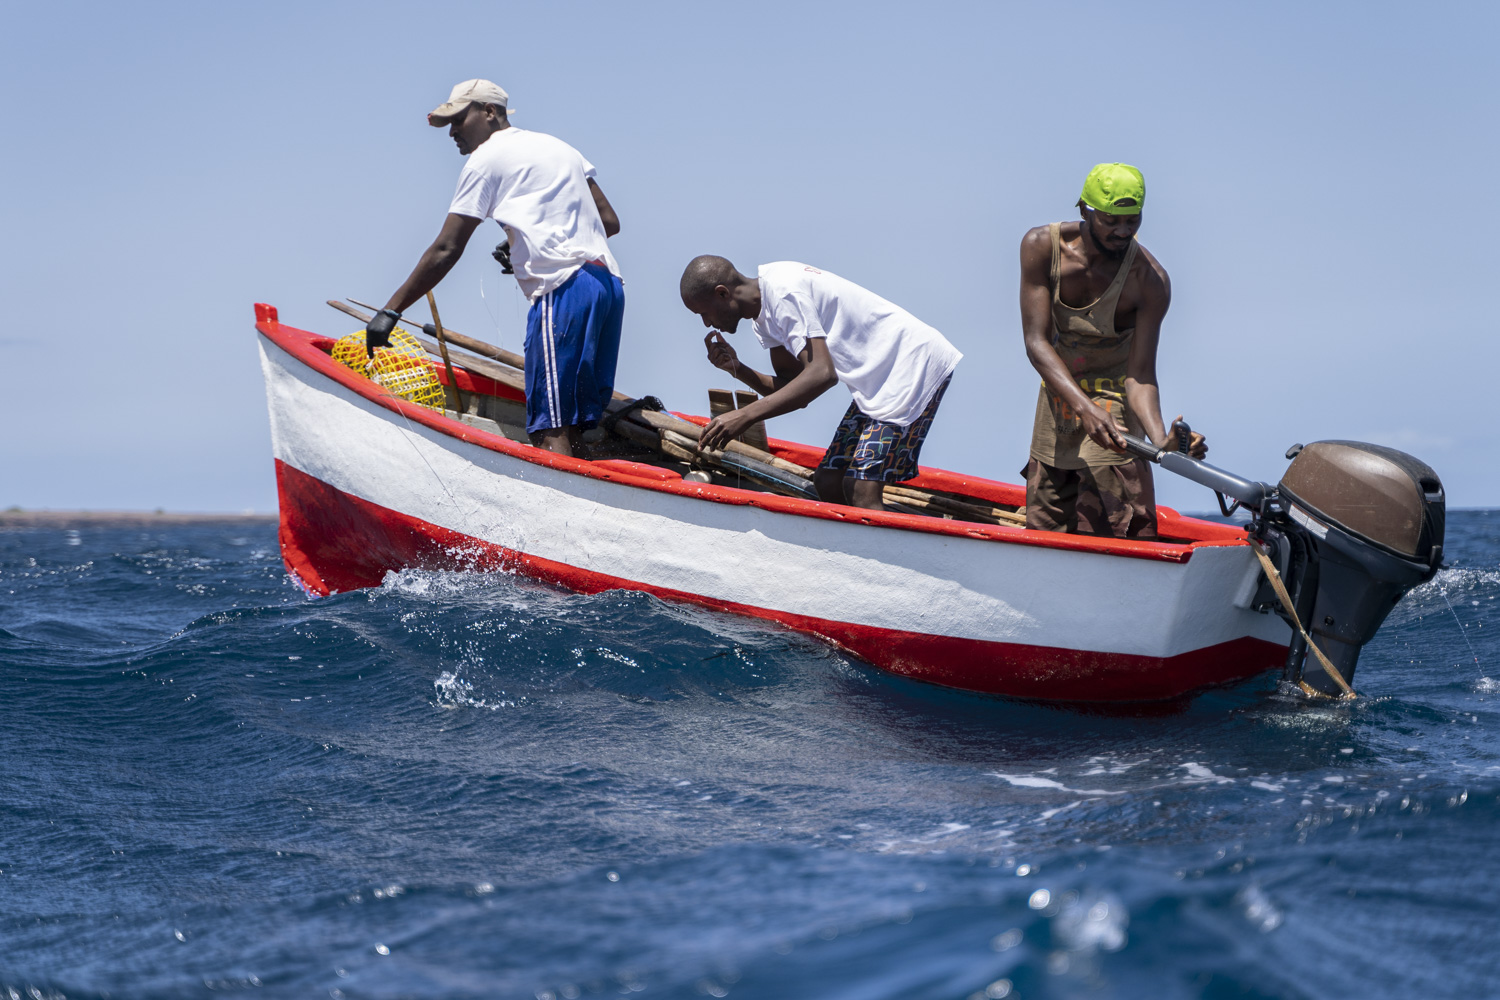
[1036,328]
[816,377]
[722,355]
[606,210]
[1142,392]
[436,262]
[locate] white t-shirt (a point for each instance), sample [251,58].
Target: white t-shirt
[891,361]
[537,187]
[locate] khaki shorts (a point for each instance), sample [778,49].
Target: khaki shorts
[1110,500]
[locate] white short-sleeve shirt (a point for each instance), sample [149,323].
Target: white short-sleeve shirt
[891,361]
[536,186]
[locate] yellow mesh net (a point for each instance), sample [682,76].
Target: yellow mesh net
[402,368]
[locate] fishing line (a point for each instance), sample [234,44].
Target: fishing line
[455,551]
[493,318]
[412,431]
[1461,630]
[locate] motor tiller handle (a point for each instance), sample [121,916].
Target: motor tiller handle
[1184,436]
[1246,491]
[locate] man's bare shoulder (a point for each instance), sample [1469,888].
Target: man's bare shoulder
[1150,273]
[1036,245]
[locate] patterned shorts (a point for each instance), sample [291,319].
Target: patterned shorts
[866,448]
[1108,500]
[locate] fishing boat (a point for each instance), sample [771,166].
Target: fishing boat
[949,587]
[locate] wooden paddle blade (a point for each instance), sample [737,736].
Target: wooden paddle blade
[723,400]
[720,401]
[755,437]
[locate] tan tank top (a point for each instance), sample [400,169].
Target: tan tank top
[1096,354]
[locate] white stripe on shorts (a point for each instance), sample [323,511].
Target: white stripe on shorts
[546,358]
[554,405]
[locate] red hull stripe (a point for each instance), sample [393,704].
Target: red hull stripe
[335,542]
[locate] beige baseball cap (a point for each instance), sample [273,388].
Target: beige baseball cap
[466,93]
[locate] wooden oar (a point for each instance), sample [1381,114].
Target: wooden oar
[437,325]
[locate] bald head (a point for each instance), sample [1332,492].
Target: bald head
[720,295]
[705,273]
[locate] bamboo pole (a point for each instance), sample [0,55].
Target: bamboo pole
[437,324]
[667,422]
[742,465]
[950,505]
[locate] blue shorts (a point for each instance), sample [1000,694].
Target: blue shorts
[865,448]
[572,344]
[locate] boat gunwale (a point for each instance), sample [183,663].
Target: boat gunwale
[307,348]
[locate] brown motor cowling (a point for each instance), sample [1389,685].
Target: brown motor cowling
[1380,494]
[1369,528]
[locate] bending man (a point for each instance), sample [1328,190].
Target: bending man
[1097,359]
[822,329]
[542,192]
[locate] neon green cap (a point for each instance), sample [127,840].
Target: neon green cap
[1116,188]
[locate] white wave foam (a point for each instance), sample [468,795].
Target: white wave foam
[1458,579]
[1259,909]
[1032,781]
[1091,921]
[1198,774]
[434,582]
[1486,685]
[455,692]
[1458,589]
[1047,814]
[1186,773]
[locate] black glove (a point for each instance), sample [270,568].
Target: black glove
[502,254]
[378,330]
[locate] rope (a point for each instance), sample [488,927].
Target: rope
[1286,602]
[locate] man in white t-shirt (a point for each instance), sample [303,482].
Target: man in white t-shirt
[542,192]
[822,329]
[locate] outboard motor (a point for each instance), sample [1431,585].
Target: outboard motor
[1351,528]
[1372,524]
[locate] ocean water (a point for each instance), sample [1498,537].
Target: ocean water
[459,786]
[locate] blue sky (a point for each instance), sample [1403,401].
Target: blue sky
[1317,178]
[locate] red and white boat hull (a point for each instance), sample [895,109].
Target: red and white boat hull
[370,484]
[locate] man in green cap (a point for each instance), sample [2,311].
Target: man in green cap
[1092,302]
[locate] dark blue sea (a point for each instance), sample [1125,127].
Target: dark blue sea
[461,786]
